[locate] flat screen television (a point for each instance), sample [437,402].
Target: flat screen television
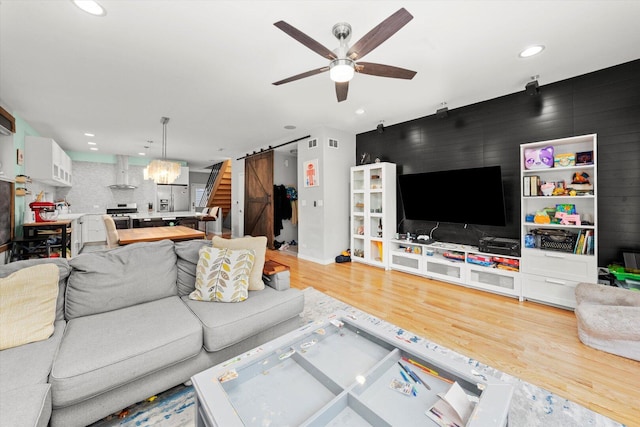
[464,196]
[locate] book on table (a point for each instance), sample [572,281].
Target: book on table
[453,409]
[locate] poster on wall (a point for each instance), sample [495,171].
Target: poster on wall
[311,173]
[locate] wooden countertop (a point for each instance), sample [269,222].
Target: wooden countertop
[47,223]
[152,234]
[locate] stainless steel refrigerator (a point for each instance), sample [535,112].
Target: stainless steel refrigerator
[173,198]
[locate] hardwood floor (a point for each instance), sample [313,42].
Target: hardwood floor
[531,341]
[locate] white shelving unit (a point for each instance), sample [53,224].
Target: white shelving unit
[373,212]
[555,265]
[457,264]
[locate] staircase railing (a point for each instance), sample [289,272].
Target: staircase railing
[213,176]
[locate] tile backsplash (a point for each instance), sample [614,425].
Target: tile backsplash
[90,191]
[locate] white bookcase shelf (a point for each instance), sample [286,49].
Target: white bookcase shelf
[457,264]
[373,212]
[551,271]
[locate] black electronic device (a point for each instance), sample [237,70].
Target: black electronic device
[438,196]
[499,246]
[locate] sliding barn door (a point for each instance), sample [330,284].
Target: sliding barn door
[258,196]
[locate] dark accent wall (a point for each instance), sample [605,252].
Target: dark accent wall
[605,102]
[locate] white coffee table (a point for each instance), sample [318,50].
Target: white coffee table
[327,375]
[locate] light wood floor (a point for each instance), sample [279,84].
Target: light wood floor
[531,341]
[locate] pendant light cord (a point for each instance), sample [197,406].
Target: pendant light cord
[164,121]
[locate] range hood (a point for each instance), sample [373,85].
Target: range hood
[122,174]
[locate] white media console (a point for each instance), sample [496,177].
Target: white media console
[460,264]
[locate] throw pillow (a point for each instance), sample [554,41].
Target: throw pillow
[223,274]
[28,305]
[258,244]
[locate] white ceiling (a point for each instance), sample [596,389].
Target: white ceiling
[209,66]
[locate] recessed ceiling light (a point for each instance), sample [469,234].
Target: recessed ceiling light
[142,154]
[360,111]
[531,50]
[91,143]
[93,148]
[290,127]
[88,134]
[90,6]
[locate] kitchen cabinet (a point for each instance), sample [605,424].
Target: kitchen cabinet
[191,222]
[93,229]
[46,162]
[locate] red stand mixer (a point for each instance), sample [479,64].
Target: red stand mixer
[44,211]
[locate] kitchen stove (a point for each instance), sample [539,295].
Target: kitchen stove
[121,214]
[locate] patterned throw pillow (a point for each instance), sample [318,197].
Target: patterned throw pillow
[28,305]
[223,274]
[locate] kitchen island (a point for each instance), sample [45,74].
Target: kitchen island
[163,219]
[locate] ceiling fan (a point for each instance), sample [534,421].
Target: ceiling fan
[345,60]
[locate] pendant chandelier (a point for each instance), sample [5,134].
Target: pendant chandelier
[163,171]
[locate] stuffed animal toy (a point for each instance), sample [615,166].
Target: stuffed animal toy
[538,158]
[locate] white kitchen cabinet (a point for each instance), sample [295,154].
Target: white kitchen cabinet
[557,256]
[373,212]
[46,162]
[93,229]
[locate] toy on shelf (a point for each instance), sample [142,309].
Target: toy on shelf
[563,160]
[580,183]
[547,188]
[568,219]
[538,158]
[541,217]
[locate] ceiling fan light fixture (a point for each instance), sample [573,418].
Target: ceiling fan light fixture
[341,70]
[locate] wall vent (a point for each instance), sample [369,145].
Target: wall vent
[313,143]
[333,143]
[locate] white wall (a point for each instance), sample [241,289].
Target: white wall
[323,230]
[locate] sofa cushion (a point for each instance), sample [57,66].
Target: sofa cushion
[28,406]
[63,270]
[188,253]
[228,324]
[30,363]
[258,244]
[28,305]
[223,274]
[123,277]
[107,350]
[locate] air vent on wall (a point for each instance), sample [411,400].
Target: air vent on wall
[333,143]
[313,143]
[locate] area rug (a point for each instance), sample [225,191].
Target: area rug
[531,406]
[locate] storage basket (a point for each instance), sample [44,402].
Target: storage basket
[558,242]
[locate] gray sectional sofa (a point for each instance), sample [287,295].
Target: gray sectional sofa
[125,330]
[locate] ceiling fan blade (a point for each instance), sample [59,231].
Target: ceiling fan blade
[302,76]
[382,70]
[379,34]
[305,40]
[341,90]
